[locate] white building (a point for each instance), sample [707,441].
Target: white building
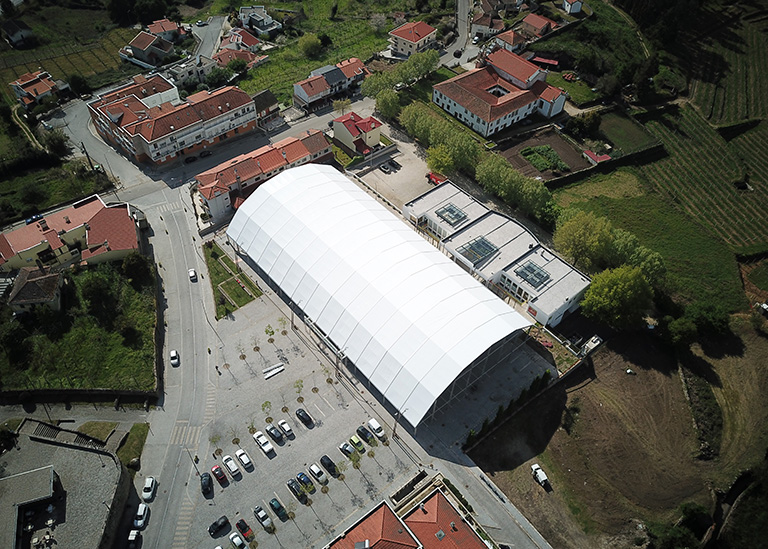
[572,6]
[408,320]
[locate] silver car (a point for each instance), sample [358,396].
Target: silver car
[263,517]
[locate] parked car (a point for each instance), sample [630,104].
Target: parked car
[286,428]
[175,361]
[304,417]
[458,53]
[305,481]
[475,40]
[218,472]
[315,471]
[385,168]
[365,434]
[134,537]
[190,159]
[36,217]
[346,448]
[231,466]
[244,458]
[539,475]
[243,528]
[278,508]
[218,525]
[148,492]
[201,23]
[329,465]
[274,432]
[262,517]
[236,540]
[263,443]
[193,275]
[206,484]
[377,429]
[296,490]
[357,443]
[205,154]
[142,514]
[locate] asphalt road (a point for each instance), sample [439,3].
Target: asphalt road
[209,35]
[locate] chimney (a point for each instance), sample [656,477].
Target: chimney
[66,219]
[423,510]
[453,526]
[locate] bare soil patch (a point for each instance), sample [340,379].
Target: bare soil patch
[568,154]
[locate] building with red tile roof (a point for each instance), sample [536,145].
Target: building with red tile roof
[157,127]
[510,40]
[504,90]
[595,158]
[328,82]
[82,232]
[147,48]
[36,286]
[241,39]
[437,524]
[381,528]
[356,134]
[412,37]
[486,24]
[226,56]
[537,25]
[354,70]
[167,30]
[220,187]
[311,91]
[33,87]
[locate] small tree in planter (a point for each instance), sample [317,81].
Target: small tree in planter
[267,408]
[299,385]
[283,323]
[270,331]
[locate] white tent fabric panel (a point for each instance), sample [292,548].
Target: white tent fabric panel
[408,318]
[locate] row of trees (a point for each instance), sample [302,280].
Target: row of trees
[415,68]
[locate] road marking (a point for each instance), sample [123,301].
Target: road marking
[328,403]
[179,430]
[183,522]
[169,206]
[318,409]
[210,406]
[193,435]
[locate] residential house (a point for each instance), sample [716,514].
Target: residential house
[225,57]
[504,90]
[223,188]
[510,40]
[412,37]
[149,123]
[380,528]
[89,231]
[486,24]
[257,19]
[537,25]
[36,287]
[193,71]
[31,88]
[328,82]
[438,524]
[359,136]
[502,7]
[241,39]
[167,30]
[572,6]
[148,49]
[267,107]
[17,33]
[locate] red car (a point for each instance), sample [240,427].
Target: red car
[244,529]
[218,472]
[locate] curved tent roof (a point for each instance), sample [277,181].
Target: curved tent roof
[408,317]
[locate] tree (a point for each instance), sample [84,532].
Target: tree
[341,105]
[424,62]
[78,84]
[137,268]
[416,120]
[618,297]
[608,85]
[309,45]
[56,142]
[150,10]
[238,66]
[388,103]
[121,11]
[584,238]
[439,159]
[378,22]
[325,40]
[217,77]
[465,151]
[534,196]
[493,174]
[375,83]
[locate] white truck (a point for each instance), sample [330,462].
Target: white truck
[539,475]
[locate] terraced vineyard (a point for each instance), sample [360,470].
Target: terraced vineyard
[701,173]
[729,63]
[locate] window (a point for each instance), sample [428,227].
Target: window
[477,250]
[451,214]
[532,274]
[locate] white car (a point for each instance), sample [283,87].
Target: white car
[231,466]
[377,429]
[263,517]
[175,358]
[316,472]
[263,443]
[244,458]
[236,540]
[193,275]
[148,492]
[142,514]
[285,427]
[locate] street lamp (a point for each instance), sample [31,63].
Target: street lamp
[397,420]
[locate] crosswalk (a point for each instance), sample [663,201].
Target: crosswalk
[210,405]
[185,434]
[169,206]
[183,523]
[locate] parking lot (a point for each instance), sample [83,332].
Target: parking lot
[245,400]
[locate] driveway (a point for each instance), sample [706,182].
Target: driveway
[208,36]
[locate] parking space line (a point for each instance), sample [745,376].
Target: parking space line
[318,409]
[328,403]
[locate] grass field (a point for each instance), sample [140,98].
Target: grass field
[579,91]
[759,276]
[700,265]
[624,133]
[133,445]
[728,59]
[701,174]
[222,277]
[98,429]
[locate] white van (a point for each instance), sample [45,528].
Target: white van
[376,429]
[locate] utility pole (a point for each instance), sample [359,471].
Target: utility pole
[82,148]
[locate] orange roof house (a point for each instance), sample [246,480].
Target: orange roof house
[33,87]
[359,135]
[167,30]
[438,525]
[381,528]
[411,37]
[537,25]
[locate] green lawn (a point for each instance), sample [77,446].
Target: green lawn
[579,91]
[624,133]
[98,429]
[133,445]
[236,292]
[219,275]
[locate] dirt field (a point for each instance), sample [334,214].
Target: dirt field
[630,457]
[568,154]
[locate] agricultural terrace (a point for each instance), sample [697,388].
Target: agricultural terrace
[97,61]
[728,58]
[752,147]
[701,174]
[624,133]
[350,32]
[700,266]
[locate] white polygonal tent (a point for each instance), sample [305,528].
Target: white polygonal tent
[408,318]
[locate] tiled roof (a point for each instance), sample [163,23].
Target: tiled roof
[314,140]
[115,226]
[293,149]
[546,92]
[264,100]
[538,22]
[314,85]
[356,125]
[488,20]
[226,56]
[35,83]
[513,64]
[436,516]
[33,286]
[413,32]
[141,87]
[572,1]
[511,37]
[143,40]
[332,74]
[470,91]
[246,37]
[381,528]
[353,67]
[164,25]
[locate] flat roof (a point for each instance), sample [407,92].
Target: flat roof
[442,196]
